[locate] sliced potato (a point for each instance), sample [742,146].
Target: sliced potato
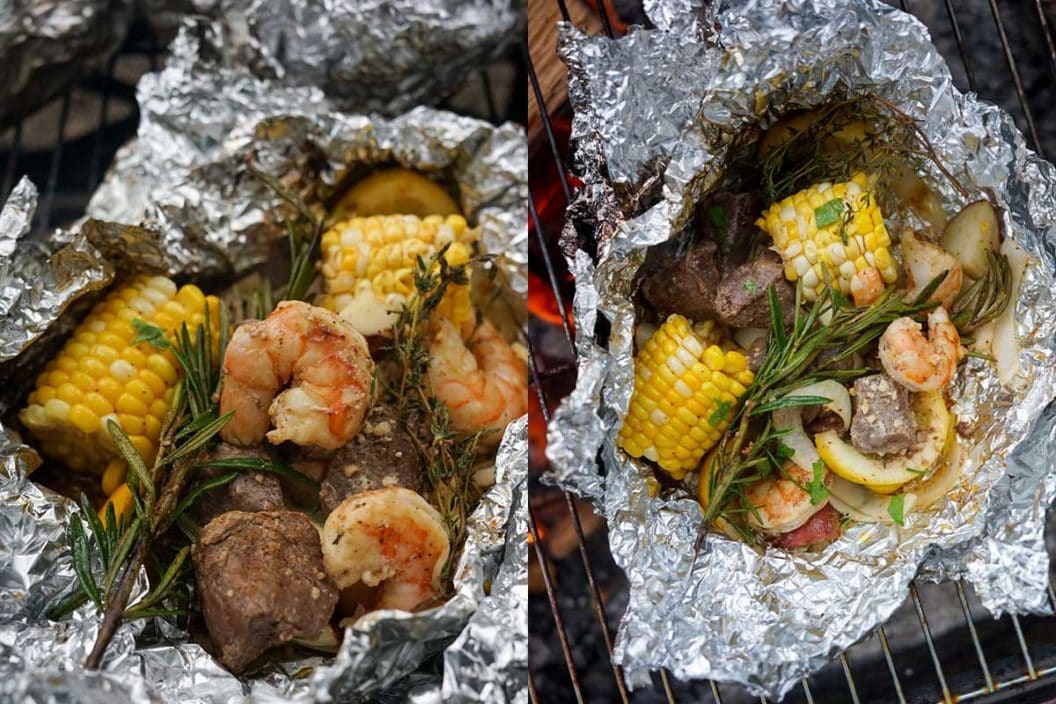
[887,474]
[397,192]
[924,262]
[915,194]
[971,234]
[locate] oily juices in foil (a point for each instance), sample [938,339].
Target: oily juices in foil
[193,210]
[733,613]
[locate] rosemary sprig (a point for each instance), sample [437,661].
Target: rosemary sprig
[751,448]
[108,556]
[449,458]
[987,298]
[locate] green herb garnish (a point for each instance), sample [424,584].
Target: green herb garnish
[817,489]
[895,508]
[829,213]
[717,216]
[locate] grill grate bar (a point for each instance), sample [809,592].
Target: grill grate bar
[806,691]
[564,11]
[1022,679]
[965,60]
[97,147]
[715,692]
[595,593]
[1015,78]
[489,98]
[975,636]
[551,274]
[1031,672]
[922,617]
[604,12]
[12,159]
[559,622]
[532,695]
[667,686]
[1046,31]
[896,683]
[850,678]
[53,169]
[547,127]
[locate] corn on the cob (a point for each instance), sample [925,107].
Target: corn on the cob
[685,392]
[100,375]
[368,266]
[828,233]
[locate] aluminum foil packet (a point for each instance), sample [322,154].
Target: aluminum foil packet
[182,200]
[655,117]
[383,56]
[45,47]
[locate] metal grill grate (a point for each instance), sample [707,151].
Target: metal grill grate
[1011,659]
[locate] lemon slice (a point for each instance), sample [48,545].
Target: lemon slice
[397,192]
[885,475]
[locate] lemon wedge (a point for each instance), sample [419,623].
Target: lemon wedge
[885,475]
[397,192]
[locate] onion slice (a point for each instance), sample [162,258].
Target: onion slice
[864,505]
[805,453]
[1005,346]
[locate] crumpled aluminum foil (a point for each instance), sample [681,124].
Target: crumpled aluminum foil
[381,56]
[185,175]
[766,620]
[46,47]
[193,209]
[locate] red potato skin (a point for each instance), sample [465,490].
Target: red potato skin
[822,527]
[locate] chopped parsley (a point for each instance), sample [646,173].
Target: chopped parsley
[829,213]
[916,471]
[817,490]
[783,451]
[895,509]
[750,287]
[720,413]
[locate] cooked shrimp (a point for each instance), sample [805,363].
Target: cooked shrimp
[781,505]
[925,261]
[323,359]
[484,385]
[391,537]
[866,286]
[919,363]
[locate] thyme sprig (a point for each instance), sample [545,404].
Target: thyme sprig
[861,134]
[448,456]
[751,447]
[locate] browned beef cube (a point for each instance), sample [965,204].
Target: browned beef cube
[250,491]
[262,582]
[728,219]
[383,454]
[681,282]
[883,422]
[742,299]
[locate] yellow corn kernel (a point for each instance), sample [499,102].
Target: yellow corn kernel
[682,398]
[121,500]
[113,476]
[832,253]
